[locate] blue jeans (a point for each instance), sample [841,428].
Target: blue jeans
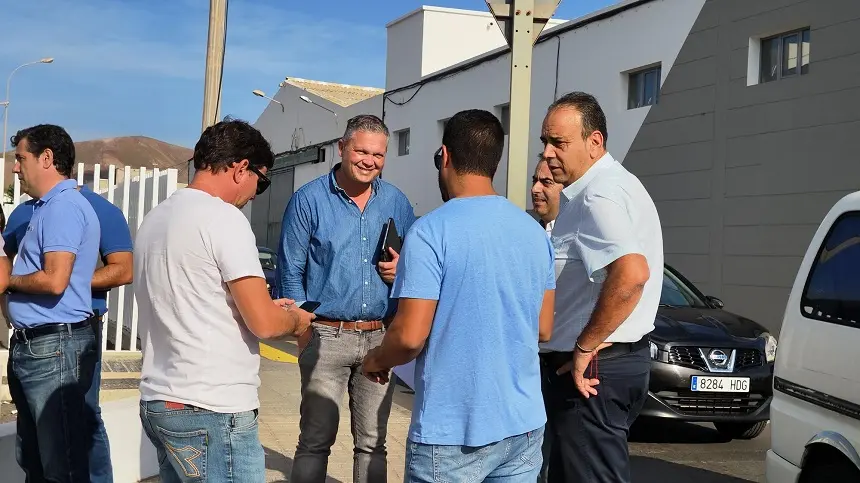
[198,445]
[511,460]
[50,376]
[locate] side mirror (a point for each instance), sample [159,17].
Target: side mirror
[714,302]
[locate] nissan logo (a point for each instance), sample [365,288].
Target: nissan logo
[718,357]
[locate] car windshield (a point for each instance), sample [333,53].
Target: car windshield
[267,260]
[676,294]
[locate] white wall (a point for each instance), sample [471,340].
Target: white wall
[405,43]
[593,58]
[308,123]
[421,42]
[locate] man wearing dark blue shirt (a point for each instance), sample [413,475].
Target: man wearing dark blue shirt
[329,253]
[115,269]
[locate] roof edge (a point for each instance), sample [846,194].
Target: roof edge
[548,33]
[430,8]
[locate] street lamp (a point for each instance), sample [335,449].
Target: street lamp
[259,93]
[46,60]
[310,101]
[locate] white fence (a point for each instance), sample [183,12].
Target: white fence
[135,198]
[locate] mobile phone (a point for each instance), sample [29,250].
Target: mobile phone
[309,306]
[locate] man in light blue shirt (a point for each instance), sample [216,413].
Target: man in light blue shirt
[53,351]
[475,284]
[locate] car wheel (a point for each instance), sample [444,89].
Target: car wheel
[741,430]
[830,472]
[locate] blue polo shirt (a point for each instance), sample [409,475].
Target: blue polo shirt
[63,221]
[115,234]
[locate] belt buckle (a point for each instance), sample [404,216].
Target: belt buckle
[355,326]
[22,335]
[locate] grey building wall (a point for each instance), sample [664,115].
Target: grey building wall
[743,174]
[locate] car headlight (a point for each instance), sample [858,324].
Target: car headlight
[654,351]
[769,346]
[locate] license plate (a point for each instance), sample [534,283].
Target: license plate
[720,384]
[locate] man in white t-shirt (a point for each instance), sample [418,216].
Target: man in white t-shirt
[203,305]
[608,248]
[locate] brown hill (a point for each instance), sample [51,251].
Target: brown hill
[132,151]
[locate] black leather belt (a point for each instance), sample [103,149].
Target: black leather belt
[615,350]
[48,329]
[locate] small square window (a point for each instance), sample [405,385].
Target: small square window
[403,142]
[784,55]
[644,88]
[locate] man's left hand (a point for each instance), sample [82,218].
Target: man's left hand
[387,270]
[372,370]
[577,366]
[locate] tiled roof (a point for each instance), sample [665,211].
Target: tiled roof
[341,94]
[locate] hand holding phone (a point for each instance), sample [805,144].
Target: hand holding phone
[310,306]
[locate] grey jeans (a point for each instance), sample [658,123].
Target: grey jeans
[330,365]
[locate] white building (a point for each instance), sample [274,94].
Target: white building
[742,138]
[431,74]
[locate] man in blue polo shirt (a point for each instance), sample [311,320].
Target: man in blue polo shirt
[54,347]
[115,251]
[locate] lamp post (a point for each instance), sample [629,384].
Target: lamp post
[259,93]
[46,60]
[310,101]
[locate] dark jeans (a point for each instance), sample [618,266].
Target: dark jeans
[331,365]
[197,445]
[50,377]
[101,470]
[586,439]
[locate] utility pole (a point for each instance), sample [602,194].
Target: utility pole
[214,62]
[214,67]
[521,22]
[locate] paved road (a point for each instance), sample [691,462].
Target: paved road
[661,452]
[668,452]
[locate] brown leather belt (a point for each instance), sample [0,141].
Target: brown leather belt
[358,325]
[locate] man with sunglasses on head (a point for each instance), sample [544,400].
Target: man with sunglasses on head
[475,292]
[203,307]
[330,253]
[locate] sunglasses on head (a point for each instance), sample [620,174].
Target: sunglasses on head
[437,158]
[263,182]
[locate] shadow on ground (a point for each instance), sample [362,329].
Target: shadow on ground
[673,432]
[644,469]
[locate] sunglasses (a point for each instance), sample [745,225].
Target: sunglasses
[263,182]
[437,158]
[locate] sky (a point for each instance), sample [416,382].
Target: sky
[136,67]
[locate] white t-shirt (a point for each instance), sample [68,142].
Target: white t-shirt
[604,215]
[196,348]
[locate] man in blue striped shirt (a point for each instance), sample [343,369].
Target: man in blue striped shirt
[329,253]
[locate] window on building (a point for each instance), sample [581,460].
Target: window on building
[403,142]
[832,292]
[784,55]
[644,87]
[505,117]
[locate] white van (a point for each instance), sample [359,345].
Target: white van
[815,413]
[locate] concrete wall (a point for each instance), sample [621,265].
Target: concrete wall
[601,71]
[743,174]
[132,455]
[430,39]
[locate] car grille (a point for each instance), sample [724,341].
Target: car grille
[698,404]
[690,357]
